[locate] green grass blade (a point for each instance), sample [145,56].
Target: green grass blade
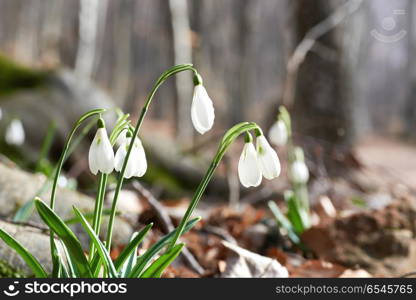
[143,260]
[283,222]
[96,265]
[72,270]
[102,251]
[159,265]
[131,247]
[31,261]
[62,270]
[294,215]
[128,265]
[67,236]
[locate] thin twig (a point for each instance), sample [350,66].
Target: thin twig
[167,224]
[220,232]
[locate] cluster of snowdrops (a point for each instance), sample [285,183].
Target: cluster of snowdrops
[68,257]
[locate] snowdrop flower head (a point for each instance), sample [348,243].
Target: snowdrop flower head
[268,160]
[137,163]
[299,172]
[101,154]
[1,113]
[248,168]
[202,109]
[15,133]
[278,134]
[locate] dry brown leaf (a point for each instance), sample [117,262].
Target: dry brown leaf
[244,263]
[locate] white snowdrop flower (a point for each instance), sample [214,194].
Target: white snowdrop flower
[101,154]
[202,109]
[268,160]
[299,172]
[137,164]
[15,133]
[1,113]
[62,181]
[278,134]
[248,166]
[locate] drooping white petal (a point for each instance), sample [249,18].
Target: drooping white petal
[101,154]
[131,164]
[202,110]
[92,158]
[141,160]
[15,133]
[299,172]
[137,164]
[1,113]
[248,167]
[121,155]
[268,160]
[278,133]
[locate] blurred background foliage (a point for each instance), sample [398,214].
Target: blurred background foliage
[65,57]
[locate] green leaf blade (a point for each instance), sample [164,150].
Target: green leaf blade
[67,236]
[131,247]
[143,260]
[102,251]
[159,265]
[30,260]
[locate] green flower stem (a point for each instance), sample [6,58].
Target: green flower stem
[172,71]
[98,210]
[300,190]
[230,136]
[58,173]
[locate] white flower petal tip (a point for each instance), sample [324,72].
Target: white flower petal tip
[268,160]
[137,164]
[248,167]
[299,172]
[101,154]
[278,134]
[202,110]
[15,133]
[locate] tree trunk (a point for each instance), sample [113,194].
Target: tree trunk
[322,88]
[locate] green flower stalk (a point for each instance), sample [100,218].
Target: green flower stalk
[58,174]
[230,136]
[170,72]
[297,199]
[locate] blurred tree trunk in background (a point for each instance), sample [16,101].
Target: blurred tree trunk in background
[88,23]
[182,53]
[122,39]
[325,79]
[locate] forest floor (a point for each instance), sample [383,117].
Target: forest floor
[364,224]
